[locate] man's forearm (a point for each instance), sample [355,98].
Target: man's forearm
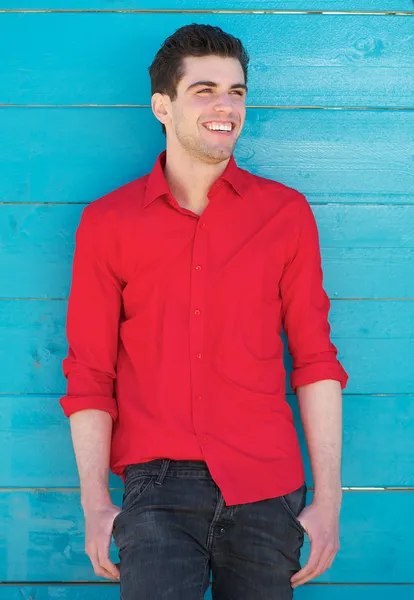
[91,436]
[320,406]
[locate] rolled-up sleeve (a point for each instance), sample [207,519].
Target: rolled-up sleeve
[92,319]
[305,306]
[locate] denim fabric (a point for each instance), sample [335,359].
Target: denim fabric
[174,528]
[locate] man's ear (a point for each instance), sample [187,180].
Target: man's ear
[160,104]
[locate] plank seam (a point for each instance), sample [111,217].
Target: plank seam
[250,106]
[54,396]
[332,299]
[312,203]
[42,490]
[212,11]
[115,583]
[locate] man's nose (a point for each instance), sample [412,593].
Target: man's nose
[224,103]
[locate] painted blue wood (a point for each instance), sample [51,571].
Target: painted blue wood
[377,432]
[367,250]
[102,58]
[77,155]
[43,538]
[361,161]
[109,591]
[356,592]
[375,341]
[384,6]
[105,591]
[32,427]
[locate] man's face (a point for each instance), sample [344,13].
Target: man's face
[208,113]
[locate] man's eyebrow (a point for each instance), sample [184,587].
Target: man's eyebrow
[214,84]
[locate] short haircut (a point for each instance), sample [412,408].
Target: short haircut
[167,70]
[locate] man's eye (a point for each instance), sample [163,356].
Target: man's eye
[238,92]
[205,90]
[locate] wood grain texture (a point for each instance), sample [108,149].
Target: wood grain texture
[104,591]
[377,430]
[367,250]
[108,591]
[356,169]
[375,341]
[102,58]
[250,5]
[77,155]
[43,538]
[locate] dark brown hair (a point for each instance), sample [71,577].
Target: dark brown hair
[166,69]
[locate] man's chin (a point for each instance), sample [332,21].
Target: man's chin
[216,155]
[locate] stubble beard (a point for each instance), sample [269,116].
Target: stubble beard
[201,150]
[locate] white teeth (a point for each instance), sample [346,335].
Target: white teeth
[219,126]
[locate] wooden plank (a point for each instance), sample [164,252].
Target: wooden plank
[378,449]
[367,250]
[356,592]
[43,538]
[102,58]
[375,340]
[111,592]
[32,427]
[377,441]
[105,591]
[206,5]
[77,155]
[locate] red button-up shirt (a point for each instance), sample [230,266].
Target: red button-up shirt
[174,326]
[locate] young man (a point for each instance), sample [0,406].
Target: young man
[182,280]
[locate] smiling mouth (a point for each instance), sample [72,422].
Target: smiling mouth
[225,128]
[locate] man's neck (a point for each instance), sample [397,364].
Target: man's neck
[190,179]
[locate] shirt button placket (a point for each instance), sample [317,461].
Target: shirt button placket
[197,287]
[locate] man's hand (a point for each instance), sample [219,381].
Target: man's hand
[99,523]
[321,522]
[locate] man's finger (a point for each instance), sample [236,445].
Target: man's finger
[323,563]
[105,562]
[98,570]
[109,566]
[315,555]
[92,552]
[314,567]
[330,559]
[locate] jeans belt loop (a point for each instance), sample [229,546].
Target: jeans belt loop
[163,471]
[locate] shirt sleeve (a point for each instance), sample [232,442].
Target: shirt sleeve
[305,308]
[92,320]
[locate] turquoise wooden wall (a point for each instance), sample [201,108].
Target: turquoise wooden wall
[330,113]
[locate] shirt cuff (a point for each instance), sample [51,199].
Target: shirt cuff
[318,372]
[72,404]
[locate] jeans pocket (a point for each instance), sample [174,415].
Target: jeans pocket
[135,487]
[294,503]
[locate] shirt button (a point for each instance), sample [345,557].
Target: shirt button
[197,312]
[198,398]
[198,355]
[198,268]
[204,439]
[222,530]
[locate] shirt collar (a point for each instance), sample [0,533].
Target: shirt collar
[157,184]
[234,176]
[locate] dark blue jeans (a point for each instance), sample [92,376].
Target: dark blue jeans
[174,528]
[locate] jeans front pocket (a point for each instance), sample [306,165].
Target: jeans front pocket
[135,487]
[294,503]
